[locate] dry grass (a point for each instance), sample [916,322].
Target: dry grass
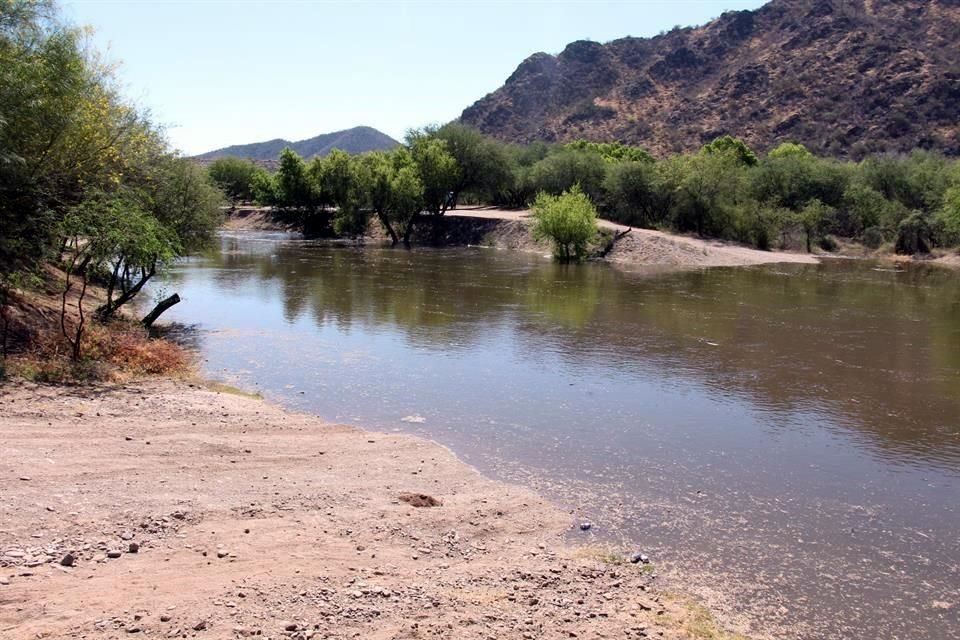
[114,352]
[697,621]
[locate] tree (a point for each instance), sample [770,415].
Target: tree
[482,161]
[235,177]
[569,220]
[733,147]
[173,213]
[612,151]
[812,218]
[438,170]
[789,150]
[561,170]
[949,215]
[914,234]
[633,193]
[703,192]
[292,188]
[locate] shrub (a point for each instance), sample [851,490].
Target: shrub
[914,234]
[872,238]
[569,220]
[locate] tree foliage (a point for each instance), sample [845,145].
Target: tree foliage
[569,220]
[85,178]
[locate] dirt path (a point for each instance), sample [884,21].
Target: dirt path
[648,247]
[163,509]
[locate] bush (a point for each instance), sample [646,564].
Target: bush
[914,235]
[569,220]
[872,238]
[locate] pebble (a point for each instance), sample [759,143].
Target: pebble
[586,526]
[133,548]
[4,581]
[638,558]
[291,626]
[113,554]
[68,560]
[164,618]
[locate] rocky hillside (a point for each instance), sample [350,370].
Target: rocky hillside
[355,140]
[844,77]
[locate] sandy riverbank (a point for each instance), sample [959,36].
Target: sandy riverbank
[229,517]
[510,230]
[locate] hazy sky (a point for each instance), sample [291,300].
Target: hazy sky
[221,73]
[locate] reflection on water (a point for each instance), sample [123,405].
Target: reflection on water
[794,429]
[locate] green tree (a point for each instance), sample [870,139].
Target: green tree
[292,188]
[633,193]
[812,219]
[235,177]
[949,215]
[438,170]
[569,220]
[789,150]
[562,169]
[612,151]
[733,147]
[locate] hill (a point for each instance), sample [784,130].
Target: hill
[844,77]
[355,140]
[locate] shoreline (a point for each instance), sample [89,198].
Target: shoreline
[248,519]
[505,229]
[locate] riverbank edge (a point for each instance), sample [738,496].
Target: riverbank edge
[535,532]
[510,229]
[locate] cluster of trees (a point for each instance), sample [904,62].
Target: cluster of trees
[786,198]
[86,179]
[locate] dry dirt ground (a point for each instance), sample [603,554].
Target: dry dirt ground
[164,509]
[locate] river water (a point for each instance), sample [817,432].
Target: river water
[784,440]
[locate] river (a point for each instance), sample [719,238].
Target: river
[784,440]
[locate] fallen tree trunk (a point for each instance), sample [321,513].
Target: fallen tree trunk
[158,310]
[613,240]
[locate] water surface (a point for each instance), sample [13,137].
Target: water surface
[786,438]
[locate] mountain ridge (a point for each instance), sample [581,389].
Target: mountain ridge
[844,77]
[354,140]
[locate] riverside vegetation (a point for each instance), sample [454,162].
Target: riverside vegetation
[93,202]
[787,199]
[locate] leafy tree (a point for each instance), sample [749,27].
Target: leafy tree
[949,214]
[406,199]
[704,191]
[789,150]
[915,234]
[482,161]
[174,213]
[612,151]
[812,218]
[235,177]
[438,171]
[633,193]
[292,188]
[569,220]
[733,147]
[561,170]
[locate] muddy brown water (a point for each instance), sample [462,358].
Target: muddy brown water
[783,440]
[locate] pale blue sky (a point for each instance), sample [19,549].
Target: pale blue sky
[221,73]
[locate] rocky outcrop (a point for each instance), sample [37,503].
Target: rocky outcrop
[844,77]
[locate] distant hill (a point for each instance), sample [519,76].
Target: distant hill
[355,140]
[844,77]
